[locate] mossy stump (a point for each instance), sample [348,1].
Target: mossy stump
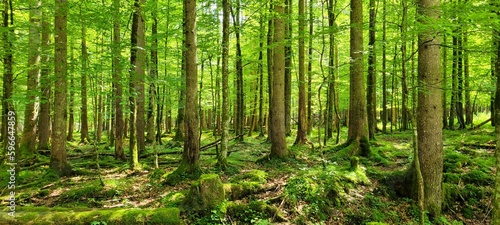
[205,194]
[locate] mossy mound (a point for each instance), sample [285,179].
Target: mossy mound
[205,194]
[254,211]
[123,216]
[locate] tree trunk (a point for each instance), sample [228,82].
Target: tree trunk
[309,69]
[240,98]
[58,158]
[153,73]
[404,82]
[302,123]
[460,76]
[270,52]
[371,95]
[277,135]
[45,87]
[495,220]
[468,105]
[261,77]
[444,85]
[71,122]
[221,157]
[429,127]
[358,129]
[139,72]
[384,67]
[117,83]
[84,133]
[28,140]
[288,67]
[8,75]
[331,77]
[454,87]
[191,154]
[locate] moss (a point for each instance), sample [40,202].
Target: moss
[376,223]
[183,172]
[451,178]
[109,216]
[478,177]
[205,194]
[247,213]
[243,189]
[258,176]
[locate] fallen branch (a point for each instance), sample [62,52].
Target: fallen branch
[480,125]
[485,146]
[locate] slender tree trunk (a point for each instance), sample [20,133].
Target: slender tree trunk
[221,157]
[278,147]
[468,105]
[240,98]
[495,220]
[28,140]
[153,73]
[302,123]
[58,158]
[429,127]
[460,77]
[404,82]
[288,67]
[139,72]
[384,67]
[454,86]
[270,52]
[117,83]
[309,69]
[371,95]
[331,77]
[71,122]
[261,76]
[84,133]
[358,128]
[444,84]
[45,87]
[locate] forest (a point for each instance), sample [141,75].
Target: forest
[250,112]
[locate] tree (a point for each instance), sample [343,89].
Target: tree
[371,95]
[45,86]
[221,157]
[28,140]
[384,67]
[58,158]
[429,121]
[84,132]
[240,98]
[495,220]
[302,123]
[191,154]
[278,147]
[117,76]
[358,130]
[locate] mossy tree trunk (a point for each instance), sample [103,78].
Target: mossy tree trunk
[429,112]
[358,129]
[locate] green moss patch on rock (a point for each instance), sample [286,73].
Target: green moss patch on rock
[122,216]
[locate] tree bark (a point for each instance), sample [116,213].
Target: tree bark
[404,82]
[288,67]
[8,75]
[221,157]
[240,94]
[45,87]
[153,73]
[429,127]
[358,129]
[58,157]
[84,133]
[277,125]
[309,69]
[28,140]
[191,154]
[302,123]
[117,83]
[384,67]
[371,95]
[495,220]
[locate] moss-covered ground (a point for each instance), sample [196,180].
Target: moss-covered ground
[314,186]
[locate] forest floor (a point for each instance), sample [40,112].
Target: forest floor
[315,186]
